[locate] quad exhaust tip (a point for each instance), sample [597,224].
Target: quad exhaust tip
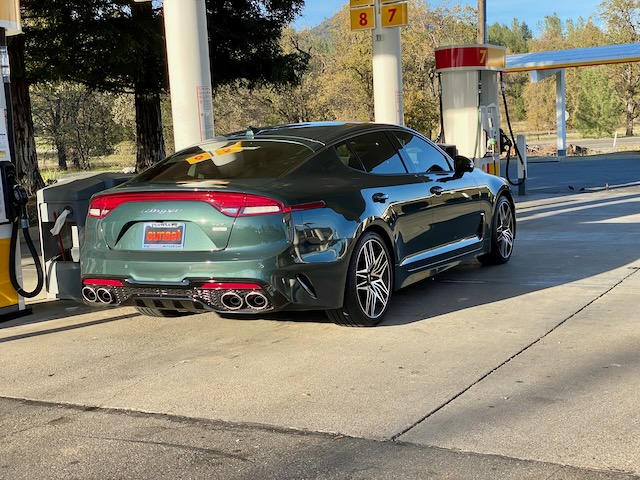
[104,295]
[97,295]
[256,300]
[231,301]
[89,294]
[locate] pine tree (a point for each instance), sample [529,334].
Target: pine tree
[599,109]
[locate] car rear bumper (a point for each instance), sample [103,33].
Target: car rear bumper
[317,287]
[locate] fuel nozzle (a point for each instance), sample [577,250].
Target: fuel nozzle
[20,199]
[20,195]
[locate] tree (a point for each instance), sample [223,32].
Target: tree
[540,97]
[26,159]
[516,39]
[598,111]
[429,28]
[579,34]
[108,45]
[77,121]
[245,42]
[118,46]
[338,84]
[50,112]
[540,100]
[622,19]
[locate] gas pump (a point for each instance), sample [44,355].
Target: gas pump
[13,218]
[13,196]
[469,99]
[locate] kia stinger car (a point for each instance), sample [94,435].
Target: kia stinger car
[314,216]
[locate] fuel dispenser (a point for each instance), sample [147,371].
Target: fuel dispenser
[10,303]
[469,101]
[13,219]
[13,196]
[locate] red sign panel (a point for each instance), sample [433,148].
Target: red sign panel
[471,57]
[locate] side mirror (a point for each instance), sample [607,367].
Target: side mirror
[462,164]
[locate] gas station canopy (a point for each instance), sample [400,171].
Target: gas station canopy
[545,64]
[575,57]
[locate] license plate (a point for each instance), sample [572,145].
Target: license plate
[163,235]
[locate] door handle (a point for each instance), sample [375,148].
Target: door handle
[437,190]
[380,197]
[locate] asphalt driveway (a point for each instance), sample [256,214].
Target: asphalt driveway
[527,370]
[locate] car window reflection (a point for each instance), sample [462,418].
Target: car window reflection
[374,153]
[422,156]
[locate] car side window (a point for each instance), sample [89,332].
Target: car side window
[347,157]
[377,154]
[423,157]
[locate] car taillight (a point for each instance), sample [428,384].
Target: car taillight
[229,203]
[102,282]
[229,286]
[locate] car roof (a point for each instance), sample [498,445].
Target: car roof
[315,135]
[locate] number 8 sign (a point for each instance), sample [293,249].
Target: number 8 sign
[363,18]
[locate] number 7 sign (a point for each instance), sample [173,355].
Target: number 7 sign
[394,15]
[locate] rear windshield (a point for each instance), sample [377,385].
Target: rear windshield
[223,160]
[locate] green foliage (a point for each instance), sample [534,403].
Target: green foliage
[109,45]
[76,121]
[622,25]
[515,38]
[338,84]
[245,42]
[113,45]
[599,110]
[540,100]
[429,28]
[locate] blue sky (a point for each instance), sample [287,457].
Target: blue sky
[501,11]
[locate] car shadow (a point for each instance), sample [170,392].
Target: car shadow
[561,238]
[559,242]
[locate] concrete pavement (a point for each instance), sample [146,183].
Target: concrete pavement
[527,370]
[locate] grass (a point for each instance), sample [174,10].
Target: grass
[123,156]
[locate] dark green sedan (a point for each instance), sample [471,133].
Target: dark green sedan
[315,216]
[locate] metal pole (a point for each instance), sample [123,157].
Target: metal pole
[189,72]
[482,22]
[387,73]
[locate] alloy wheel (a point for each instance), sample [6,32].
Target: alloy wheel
[373,278]
[505,229]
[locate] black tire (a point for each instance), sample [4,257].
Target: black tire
[369,284]
[503,232]
[156,312]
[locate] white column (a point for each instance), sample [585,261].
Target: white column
[387,73]
[189,75]
[561,120]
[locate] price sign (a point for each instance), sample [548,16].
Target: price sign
[363,18]
[394,15]
[360,3]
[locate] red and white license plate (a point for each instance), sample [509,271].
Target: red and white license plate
[163,235]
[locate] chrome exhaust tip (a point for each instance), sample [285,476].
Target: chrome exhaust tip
[89,294]
[231,301]
[257,300]
[104,295]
